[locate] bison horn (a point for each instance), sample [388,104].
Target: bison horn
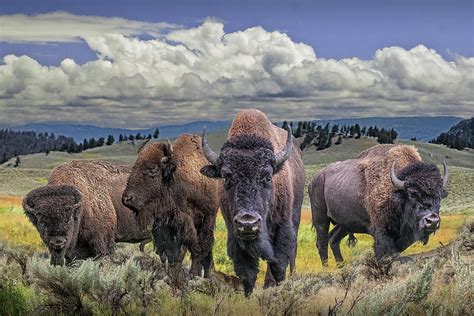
[210,154]
[169,148]
[446,175]
[142,145]
[282,156]
[397,183]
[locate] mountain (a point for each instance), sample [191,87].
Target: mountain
[423,128]
[79,132]
[459,136]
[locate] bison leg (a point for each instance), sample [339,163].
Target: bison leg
[269,279]
[322,229]
[207,263]
[335,237]
[284,244]
[384,245]
[143,244]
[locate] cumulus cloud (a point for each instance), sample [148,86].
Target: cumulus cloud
[66,27]
[206,73]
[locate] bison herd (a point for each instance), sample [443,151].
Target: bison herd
[173,192]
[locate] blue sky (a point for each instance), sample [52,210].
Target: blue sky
[335,29]
[176,61]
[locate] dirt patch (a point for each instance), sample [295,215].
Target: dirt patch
[10,200]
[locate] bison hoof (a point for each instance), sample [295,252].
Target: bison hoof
[324,263]
[351,241]
[340,264]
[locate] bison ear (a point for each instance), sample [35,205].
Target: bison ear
[211,171]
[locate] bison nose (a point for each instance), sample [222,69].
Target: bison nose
[57,242]
[431,221]
[247,222]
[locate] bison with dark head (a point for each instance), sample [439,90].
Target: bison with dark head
[366,195]
[260,197]
[79,213]
[165,188]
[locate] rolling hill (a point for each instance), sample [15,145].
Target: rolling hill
[423,128]
[35,168]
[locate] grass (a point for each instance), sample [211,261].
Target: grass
[312,290]
[15,229]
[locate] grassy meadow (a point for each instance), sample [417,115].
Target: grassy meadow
[37,285]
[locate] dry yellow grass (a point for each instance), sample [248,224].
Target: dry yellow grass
[15,229]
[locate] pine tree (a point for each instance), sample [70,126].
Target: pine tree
[120,138]
[17,162]
[100,142]
[156,134]
[110,140]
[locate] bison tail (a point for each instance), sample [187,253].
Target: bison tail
[351,241]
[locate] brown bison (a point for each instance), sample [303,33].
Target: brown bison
[368,195]
[260,197]
[79,213]
[165,187]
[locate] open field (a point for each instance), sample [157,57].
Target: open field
[322,285]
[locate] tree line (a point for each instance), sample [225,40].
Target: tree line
[459,136]
[16,143]
[322,137]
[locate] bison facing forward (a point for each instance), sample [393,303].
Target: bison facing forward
[79,213]
[365,195]
[261,196]
[165,187]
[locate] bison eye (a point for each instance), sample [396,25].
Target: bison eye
[153,172]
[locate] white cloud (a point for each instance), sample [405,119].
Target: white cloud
[66,27]
[205,73]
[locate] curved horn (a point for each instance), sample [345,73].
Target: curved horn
[282,156]
[168,148]
[142,145]
[210,154]
[398,184]
[446,175]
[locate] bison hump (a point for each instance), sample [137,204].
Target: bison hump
[375,164]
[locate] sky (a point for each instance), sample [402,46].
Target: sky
[145,63]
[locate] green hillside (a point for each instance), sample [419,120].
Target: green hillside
[34,169]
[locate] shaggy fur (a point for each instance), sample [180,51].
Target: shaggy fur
[99,221]
[358,196]
[258,185]
[167,188]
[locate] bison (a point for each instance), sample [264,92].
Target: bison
[166,188]
[387,192]
[260,197]
[79,213]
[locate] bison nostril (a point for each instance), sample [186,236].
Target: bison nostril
[57,242]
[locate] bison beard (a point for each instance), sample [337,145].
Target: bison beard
[423,181]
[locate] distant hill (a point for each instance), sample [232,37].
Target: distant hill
[423,128]
[79,132]
[459,136]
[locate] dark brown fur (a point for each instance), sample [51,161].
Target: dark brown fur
[259,188]
[166,187]
[99,221]
[358,196]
